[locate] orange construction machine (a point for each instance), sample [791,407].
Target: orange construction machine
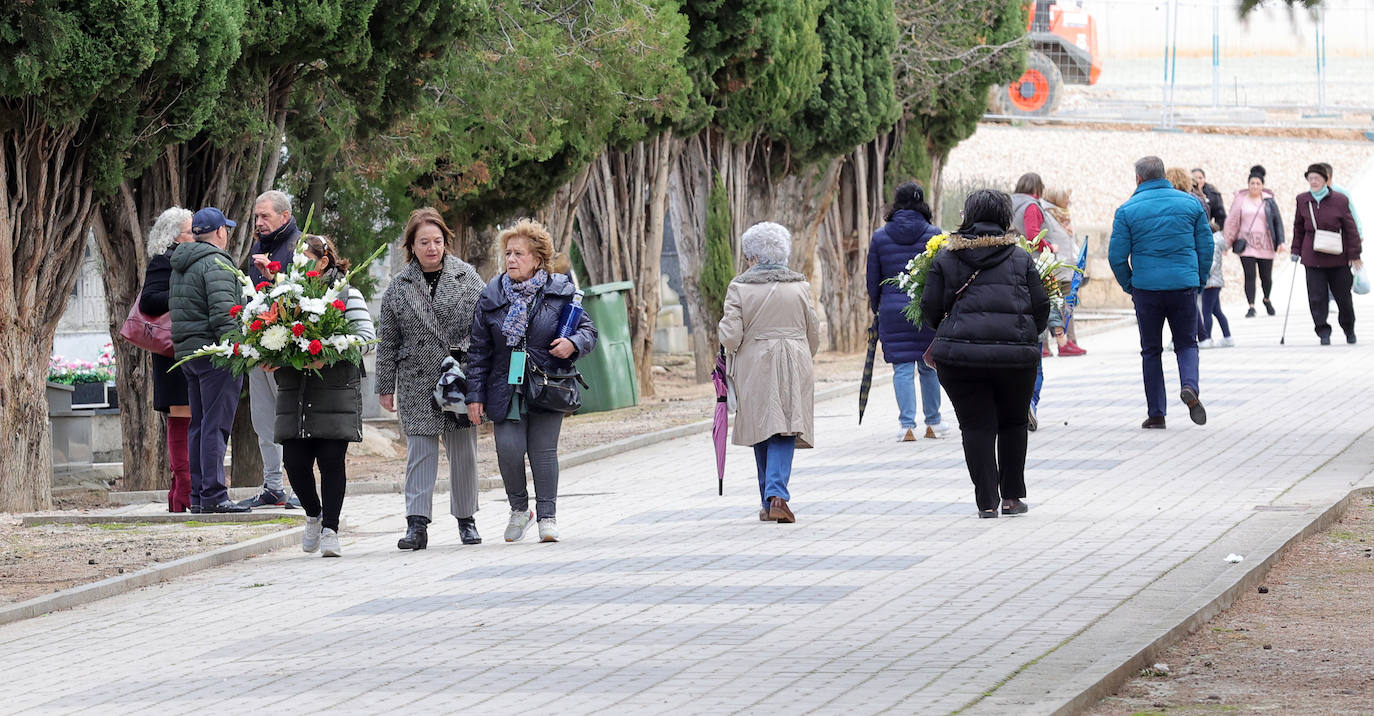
[1063,48]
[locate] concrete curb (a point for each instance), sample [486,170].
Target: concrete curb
[492,482]
[158,519]
[113,586]
[1095,662]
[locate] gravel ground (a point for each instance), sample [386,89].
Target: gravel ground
[1304,646]
[1097,163]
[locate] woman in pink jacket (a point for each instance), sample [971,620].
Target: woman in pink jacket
[1255,217]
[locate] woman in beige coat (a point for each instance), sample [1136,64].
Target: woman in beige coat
[769,332]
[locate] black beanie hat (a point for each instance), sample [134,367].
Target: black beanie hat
[1318,169]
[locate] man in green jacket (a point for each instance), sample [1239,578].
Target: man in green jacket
[203,292]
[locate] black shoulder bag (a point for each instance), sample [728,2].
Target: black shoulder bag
[555,390]
[929,356]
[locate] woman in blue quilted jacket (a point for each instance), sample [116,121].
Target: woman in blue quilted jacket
[904,236]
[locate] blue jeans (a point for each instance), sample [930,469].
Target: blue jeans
[774,459]
[213,394]
[1211,306]
[1152,309]
[1039,381]
[905,388]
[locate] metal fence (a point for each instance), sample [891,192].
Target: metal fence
[1170,63]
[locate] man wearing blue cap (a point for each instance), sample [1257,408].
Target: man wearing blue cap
[203,292]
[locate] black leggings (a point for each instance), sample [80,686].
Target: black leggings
[299,456]
[1266,275]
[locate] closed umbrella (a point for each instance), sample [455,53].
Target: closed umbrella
[720,426]
[867,381]
[1071,300]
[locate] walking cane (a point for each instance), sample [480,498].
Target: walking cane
[1292,286]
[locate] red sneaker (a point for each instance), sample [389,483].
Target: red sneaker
[1044,351]
[1071,349]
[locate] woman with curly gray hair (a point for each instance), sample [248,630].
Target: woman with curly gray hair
[173,227]
[769,332]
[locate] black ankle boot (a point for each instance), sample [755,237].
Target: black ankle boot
[467,529]
[417,533]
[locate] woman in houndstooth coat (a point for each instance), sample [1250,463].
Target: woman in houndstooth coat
[426,316]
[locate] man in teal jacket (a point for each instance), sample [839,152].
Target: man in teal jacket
[1161,253]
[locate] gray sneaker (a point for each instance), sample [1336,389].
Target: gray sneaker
[519,524]
[548,530]
[310,539]
[329,543]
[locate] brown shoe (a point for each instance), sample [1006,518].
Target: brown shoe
[778,510]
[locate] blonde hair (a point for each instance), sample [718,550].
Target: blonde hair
[1058,196]
[1180,178]
[534,234]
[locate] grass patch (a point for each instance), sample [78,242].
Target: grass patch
[255,523]
[1341,535]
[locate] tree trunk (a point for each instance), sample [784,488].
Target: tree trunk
[144,449]
[560,213]
[688,196]
[45,214]
[620,231]
[843,244]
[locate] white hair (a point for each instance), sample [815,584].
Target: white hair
[281,203]
[166,229]
[767,243]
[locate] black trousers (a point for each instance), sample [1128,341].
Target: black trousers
[991,404]
[1322,284]
[299,457]
[1266,276]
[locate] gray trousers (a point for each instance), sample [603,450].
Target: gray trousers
[262,401]
[422,469]
[535,435]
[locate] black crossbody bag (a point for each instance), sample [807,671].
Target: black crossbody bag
[556,390]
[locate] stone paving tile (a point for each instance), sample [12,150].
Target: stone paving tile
[888,595]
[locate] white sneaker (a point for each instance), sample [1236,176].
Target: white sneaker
[1206,343]
[329,543]
[938,430]
[548,530]
[1227,341]
[310,539]
[906,435]
[519,524]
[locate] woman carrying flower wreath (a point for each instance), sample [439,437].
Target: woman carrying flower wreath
[987,301]
[319,410]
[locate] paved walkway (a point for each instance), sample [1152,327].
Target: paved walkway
[887,595]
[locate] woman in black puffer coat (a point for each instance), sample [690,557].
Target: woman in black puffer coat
[984,299]
[904,236]
[318,415]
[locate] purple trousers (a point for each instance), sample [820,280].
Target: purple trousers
[214,396]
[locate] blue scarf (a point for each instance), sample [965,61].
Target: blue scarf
[1321,193]
[520,294]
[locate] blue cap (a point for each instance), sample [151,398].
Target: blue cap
[208,219]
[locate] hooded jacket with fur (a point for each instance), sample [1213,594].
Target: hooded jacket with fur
[998,319]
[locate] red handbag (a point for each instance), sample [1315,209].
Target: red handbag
[151,333]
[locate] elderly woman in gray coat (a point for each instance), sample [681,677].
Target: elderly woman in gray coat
[426,316]
[769,331]
[518,315]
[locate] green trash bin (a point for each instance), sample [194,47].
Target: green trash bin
[610,368]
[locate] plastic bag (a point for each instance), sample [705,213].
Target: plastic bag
[1360,284]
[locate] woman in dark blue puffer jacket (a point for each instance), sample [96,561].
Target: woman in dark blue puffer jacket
[907,230]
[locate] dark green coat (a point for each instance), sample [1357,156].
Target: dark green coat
[328,406]
[203,291]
